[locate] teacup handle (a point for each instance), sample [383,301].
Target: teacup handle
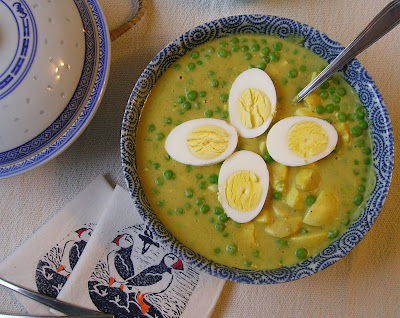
[116,33]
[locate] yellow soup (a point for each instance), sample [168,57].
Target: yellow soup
[307,207]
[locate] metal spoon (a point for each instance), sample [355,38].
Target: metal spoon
[385,21]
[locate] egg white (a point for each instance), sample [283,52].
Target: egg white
[176,142]
[277,144]
[243,160]
[257,79]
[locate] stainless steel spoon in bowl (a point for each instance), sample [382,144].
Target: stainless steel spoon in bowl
[385,21]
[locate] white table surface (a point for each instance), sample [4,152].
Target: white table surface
[366,283]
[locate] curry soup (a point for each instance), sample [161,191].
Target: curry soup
[328,194]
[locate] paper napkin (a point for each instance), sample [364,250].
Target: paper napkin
[127,272]
[45,261]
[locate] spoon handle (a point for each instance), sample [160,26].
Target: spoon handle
[385,21]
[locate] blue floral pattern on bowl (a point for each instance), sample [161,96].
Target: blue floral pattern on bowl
[354,74]
[82,106]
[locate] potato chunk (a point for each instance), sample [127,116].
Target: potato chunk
[312,100]
[295,198]
[307,179]
[323,211]
[278,176]
[265,216]
[304,111]
[344,134]
[284,227]
[310,240]
[280,209]
[248,232]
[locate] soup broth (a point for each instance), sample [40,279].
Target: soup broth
[185,197]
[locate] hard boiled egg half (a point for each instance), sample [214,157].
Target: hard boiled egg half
[300,140]
[201,142]
[252,102]
[243,185]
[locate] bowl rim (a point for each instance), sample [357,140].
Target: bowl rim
[383,145]
[28,156]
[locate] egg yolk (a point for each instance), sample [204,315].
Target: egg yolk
[253,107]
[243,191]
[207,141]
[307,139]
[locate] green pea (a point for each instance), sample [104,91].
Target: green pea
[160,136]
[328,120]
[210,73]
[356,131]
[342,117]
[247,263]
[177,67]
[222,53]
[179,210]
[267,157]
[324,85]
[204,208]
[154,191]
[191,66]
[323,94]
[255,47]
[329,108]
[181,111]
[188,206]
[360,143]
[160,203]
[345,221]
[274,56]
[263,41]
[192,95]
[224,98]
[363,124]
[199,201]
[356,162]
[169,212]
[341,91]
[203,185]
[217,109]
[202,94]
[292,73]
[197,105]
[234,40]
[282,242]
[208,113]
[225,114]
[199,62]
[320,109]
[188,193]
[264,51]
[265,59]
[220,227]
[336,99]
[177,122]
[188,168]
[256,253]
[304,231]
[301,253]
[156,165]
[367,161]
[262,66]
[251,66]
[277,46]
[223,218]
[361,188]
[218,210]
[167,157]
[147,138]
[302,68]
[310,200]
[332,234]
[366,150]
[194,55]
[223,44]
[151,127]
[214,83]
[213,179]
[231,248]
[199,176]
[331,90]
[335,81]
[235,48]
[277,195]
[217,250]
[159,181]
[248,56]
[186,106]
[211,220]
[284,81]
[358,199]
[168,120]
[244,48]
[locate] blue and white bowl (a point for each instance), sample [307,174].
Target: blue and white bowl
[54,66]
[355,75]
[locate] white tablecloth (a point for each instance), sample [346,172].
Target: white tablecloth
[366,283]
